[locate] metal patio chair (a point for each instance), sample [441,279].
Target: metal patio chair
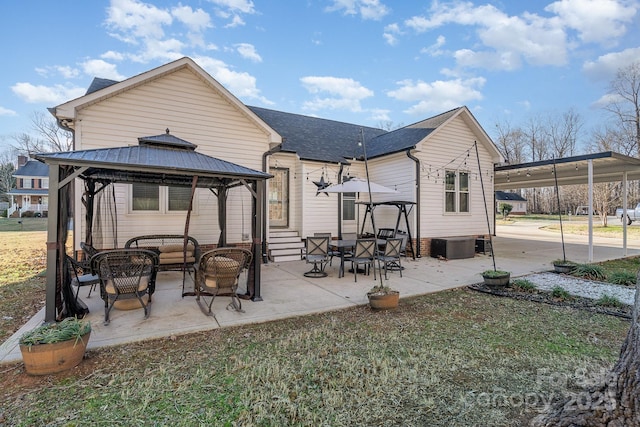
[126,274]
[317,254]
[364,254]
[390,258]
[217,274]
[81,275]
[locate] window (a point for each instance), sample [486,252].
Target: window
[349,206]
[456,191]
[152,197]
[145,197]
[27,183]
[179,198]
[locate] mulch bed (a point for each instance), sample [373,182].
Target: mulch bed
[573,301]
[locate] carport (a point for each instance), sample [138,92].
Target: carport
[588,169]
[163,160]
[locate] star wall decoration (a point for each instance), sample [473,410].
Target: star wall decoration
[321,186]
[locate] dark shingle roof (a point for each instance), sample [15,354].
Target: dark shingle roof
[515,197]
[32,168]
[98,84]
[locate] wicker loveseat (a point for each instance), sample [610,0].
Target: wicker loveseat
[170,250]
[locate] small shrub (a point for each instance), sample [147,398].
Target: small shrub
[560,293]
[609,301]
[589,271]
[626,278]
[27,214]
[523,285]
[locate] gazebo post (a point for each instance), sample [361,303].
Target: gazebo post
[258,209]
[52,243]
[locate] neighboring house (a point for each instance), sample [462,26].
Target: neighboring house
[32,189]
[518,202]
[438,163]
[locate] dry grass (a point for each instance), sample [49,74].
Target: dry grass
[452,358]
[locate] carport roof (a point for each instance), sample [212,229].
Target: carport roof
[608,166]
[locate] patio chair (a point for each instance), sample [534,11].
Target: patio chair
[332,251]
[217,274]
[364,254]
[390,258]
[80,274]
[318,255]
[126,274]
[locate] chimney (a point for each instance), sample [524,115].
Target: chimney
[22,160]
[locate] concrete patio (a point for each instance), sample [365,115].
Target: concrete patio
[520,249]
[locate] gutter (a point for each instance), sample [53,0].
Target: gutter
[417,187]
[265,207]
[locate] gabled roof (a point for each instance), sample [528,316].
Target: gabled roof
[32,168]
[504,195]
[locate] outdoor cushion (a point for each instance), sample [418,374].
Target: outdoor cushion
[144,283]
[223,274]
[176,247]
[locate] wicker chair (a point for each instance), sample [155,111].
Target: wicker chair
[217,274]
[126,274]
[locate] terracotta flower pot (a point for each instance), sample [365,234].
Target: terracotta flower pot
[384,301]
[44,359]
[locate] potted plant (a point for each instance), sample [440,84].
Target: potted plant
[564,266]
[496,277]
[382,297]
[55,347]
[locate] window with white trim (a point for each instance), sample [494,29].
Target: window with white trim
[152,197]
[349,206]
[456,192]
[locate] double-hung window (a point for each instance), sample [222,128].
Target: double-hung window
[456,191]
[152,197]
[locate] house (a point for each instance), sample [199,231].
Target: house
[518,202]
[31,195]
[444,164]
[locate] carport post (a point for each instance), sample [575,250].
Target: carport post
[590,180]
[624,213]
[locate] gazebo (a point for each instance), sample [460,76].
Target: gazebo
[162,159]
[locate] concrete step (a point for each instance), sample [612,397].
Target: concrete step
[273,234]
[289,245]
[292,239]
[284,258]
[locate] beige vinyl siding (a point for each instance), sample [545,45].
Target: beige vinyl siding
[397,172]
[447,150]
[194,111]
[319,213]
[289,161]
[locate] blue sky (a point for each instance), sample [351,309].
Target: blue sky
[369,62]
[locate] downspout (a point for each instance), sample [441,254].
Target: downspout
[417,187]
[340,202]
[265,155]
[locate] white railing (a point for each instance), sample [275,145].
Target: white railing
[38,208]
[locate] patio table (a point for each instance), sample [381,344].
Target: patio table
[343,245]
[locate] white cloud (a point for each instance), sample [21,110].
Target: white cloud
[64,70]
[132,19]
[243,6]
[196,20]
[344,94]
[242,85]
[434,49]
[46,94]
[100,68]
[247,50]
[597,21]
[367,9]
[606,66]
[112,55]
[7,112]
[438,95]
[390,34]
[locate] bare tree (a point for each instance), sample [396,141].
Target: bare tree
[511,142]
[50,137]
[562,132]
[625,103]
[7,169]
